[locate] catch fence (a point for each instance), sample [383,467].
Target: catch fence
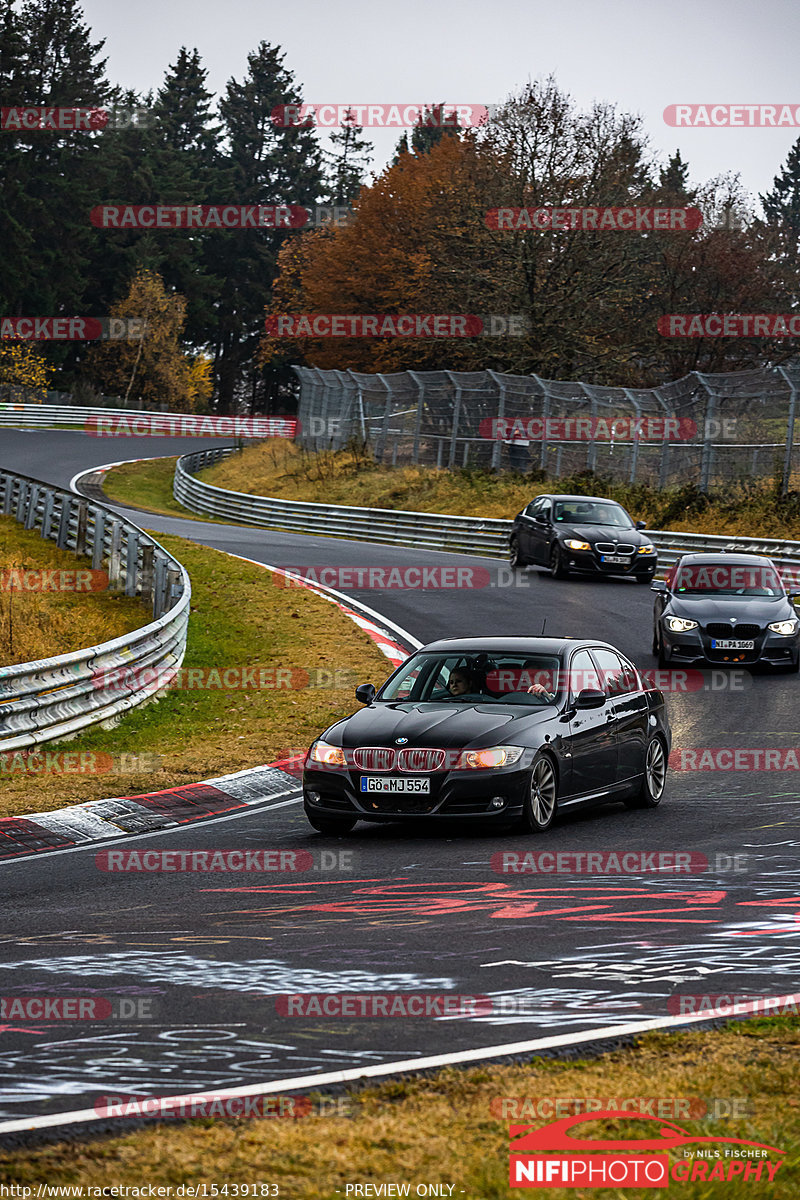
[708,429]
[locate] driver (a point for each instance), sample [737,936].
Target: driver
[461,682]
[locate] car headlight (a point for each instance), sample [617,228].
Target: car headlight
[647,548]
[680,624]
[784,627]
[326,754]
[574,544]
[493,756]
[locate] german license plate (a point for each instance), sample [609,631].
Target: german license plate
[615,558]
[389,783]
[731,644]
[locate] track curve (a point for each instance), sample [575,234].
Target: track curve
[414,912]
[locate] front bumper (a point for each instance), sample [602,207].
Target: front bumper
[588,561]
[694,646]
[453,794]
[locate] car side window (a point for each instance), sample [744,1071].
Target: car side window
[534,507]
[616,679]
[583,673]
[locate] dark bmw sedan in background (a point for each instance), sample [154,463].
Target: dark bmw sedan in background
[582,534]
[725,608]
[498,730]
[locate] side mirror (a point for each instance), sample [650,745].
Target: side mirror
[542,518]
[590,698]
[365,693]
[658,585]
[641,524]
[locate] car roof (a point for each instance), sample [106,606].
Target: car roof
[716,557]
[512,645]
[559,496]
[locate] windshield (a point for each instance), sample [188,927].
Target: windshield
[728,579]
[589,512]
[476,679]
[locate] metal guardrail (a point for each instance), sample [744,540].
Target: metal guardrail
[54,698]
[425,531]
[45,415]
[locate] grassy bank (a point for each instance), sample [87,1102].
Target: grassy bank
[450,1128]
[240,622]
[279,468]
[43,624]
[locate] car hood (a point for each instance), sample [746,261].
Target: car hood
[447,725]
[601,533]
[706,608]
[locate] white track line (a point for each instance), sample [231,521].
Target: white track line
[81,1116]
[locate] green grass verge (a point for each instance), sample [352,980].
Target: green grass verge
[449,1127]
[240,621]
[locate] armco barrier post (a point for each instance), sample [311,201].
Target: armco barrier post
[787,458]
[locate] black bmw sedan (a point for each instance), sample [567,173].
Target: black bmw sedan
[725,608]
[503,731]
[581,534]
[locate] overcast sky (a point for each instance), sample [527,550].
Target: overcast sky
[641,56]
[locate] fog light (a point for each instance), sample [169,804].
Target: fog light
[497,802]
[314,798]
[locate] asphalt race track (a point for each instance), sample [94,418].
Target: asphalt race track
[199,959]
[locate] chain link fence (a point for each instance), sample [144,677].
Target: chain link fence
[707,429]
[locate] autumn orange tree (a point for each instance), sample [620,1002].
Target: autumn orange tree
[24,365]
[152,368]
[418,244]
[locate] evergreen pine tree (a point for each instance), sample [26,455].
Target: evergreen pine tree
[266,164]
[782,204]
[348,163]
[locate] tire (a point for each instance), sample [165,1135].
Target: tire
[330,825]
[654,778]
[658,648]
[514,557]
[644,578]
[557,568]
[655,641]
[541,803]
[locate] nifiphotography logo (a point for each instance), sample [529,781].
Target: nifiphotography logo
[594,1162]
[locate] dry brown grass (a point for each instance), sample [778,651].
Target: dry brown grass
[42,625]
[446,1128]
[279,468]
